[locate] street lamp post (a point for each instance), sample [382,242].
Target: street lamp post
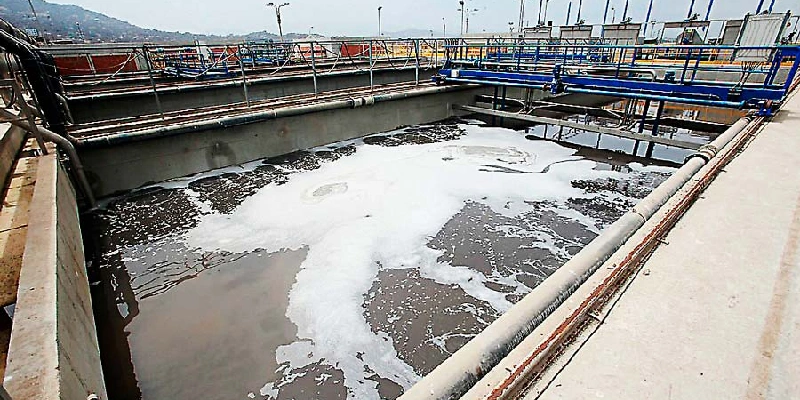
[380,31]
[474,10]
[278,15]
[444,27]
[461,3]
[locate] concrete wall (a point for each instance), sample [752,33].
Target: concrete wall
[11,142]
[130,165]
[142,102]
[54,352]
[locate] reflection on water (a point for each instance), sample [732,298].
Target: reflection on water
[344,271]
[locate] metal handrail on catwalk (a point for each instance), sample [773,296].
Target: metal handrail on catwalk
[672,73]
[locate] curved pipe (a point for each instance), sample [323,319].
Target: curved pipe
[41,73]
[65,145]
[456,375]
[65,106]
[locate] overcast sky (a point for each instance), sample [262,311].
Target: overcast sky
[359,17]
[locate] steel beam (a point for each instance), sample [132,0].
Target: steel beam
[576,125]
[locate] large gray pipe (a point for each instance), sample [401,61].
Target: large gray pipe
[456,375]
[65,145]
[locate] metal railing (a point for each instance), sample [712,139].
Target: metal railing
[721,76]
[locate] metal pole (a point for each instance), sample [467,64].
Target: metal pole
[771,4]
[280,26]
[462,17]
[625,12]
[691,8]
[244,76]
[380,32]
[605,13]
[711,4]
[647,19]
[416,55]
[546,3]
[539,17]
[314,65]
[494,104]
[569,11]
[371,79]
[656,126]
[760,4]
[521,14]
[152,81]
[580,7]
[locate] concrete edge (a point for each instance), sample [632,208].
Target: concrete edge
[11,143]
[54,352]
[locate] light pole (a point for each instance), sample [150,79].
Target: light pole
[278,15]
[380,32]
[546,4]
[473,11]
[521,15]
[36,21]
[444,27]
[613,14]
[461,3]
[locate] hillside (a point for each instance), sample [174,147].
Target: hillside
[58,22]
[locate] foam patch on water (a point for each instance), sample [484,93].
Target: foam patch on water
[380,207]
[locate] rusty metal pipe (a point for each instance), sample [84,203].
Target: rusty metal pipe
[456,375]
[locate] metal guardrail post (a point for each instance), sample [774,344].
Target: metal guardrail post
[416,56]
[244,75]
[152,81]
[371,77]
[314,66]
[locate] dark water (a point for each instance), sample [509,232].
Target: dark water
[178,322]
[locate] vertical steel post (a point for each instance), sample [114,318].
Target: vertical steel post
[416,56]
[244,75]
[152,81]
[494,104]
[314,65]
[647,19]
[503,106]
[656,123]
[760,4]
[569,10]
[371,78]
[645,109]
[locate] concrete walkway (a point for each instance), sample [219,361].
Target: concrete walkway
[715,313]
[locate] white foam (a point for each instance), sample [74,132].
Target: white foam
[382,205]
